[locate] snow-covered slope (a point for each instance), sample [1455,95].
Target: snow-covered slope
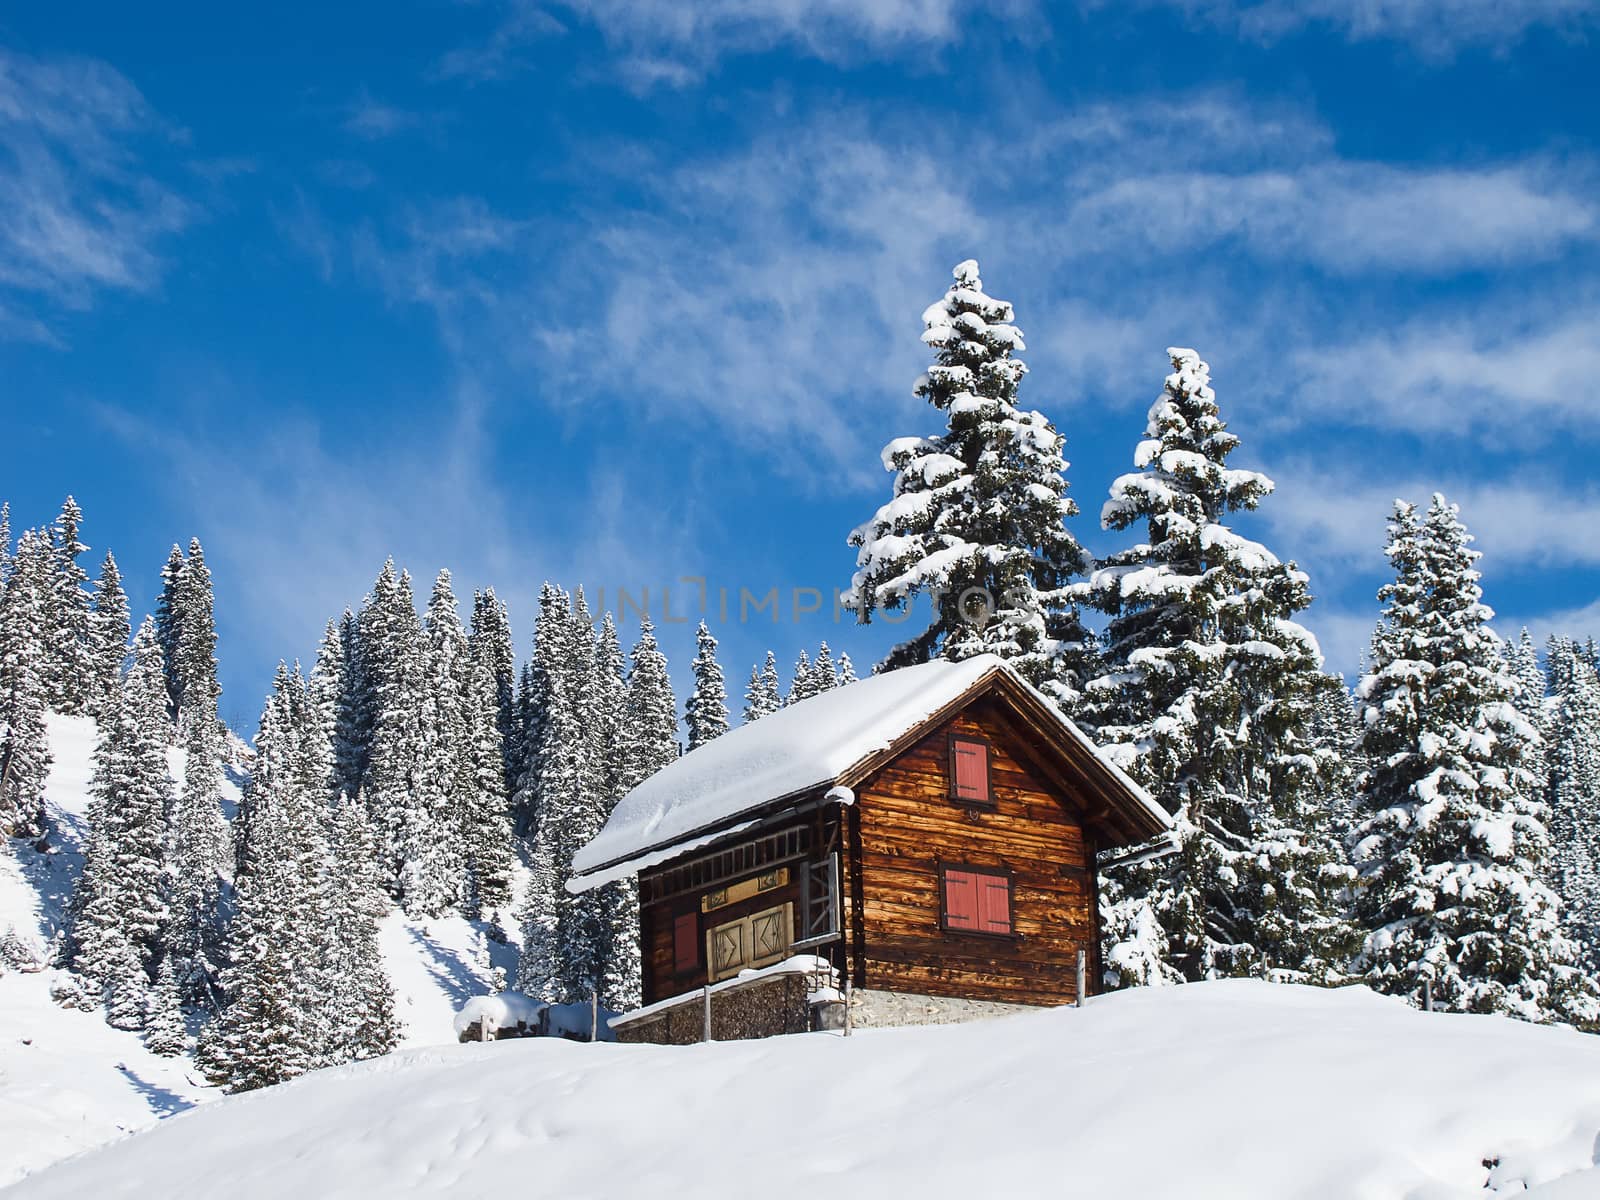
[68,1081]
[1237,1089]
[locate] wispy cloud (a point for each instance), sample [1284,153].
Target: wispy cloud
[1514,369]
[1340,517]
[78,214]
[1436,29]
[667,43]
[373,120]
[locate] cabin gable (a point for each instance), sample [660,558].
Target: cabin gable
[922,843]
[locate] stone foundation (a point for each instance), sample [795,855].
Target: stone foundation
[883,1010]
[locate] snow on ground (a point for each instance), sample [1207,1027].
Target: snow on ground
[1236,1089]
[436,966]
[68,1081]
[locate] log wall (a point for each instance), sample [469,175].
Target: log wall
[909,824]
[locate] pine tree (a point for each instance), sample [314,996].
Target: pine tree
[164,1029]
[1451,840]
[360,1000]
[351,738]
[824,675]
[433,841]
[68,668]
[110,627]
[1574,796]
[1209,701]
[117,906]
[649,745]
[492,646]
[1528,677]
[275,1024]
[169,632]
[802,684]
[764,694]
[198,834]
[977,520]
[486,833]
[555,785]
[395,784]
[706,714]
[846,672]
[24,740]
[580,934]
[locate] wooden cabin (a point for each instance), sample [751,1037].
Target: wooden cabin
[932,832]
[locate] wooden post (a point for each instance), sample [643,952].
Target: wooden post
[706,997]
[847,1021]
[1427,995]
[1083,974]
[483,1028]
[594,1015]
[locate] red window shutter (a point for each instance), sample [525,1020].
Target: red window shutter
[972,771]
[686,942]
[994,904]
[961,900]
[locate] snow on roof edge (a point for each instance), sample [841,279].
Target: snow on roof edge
[795,750]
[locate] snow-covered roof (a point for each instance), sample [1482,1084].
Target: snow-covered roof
[801,748]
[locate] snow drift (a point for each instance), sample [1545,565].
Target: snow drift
[1235,1089]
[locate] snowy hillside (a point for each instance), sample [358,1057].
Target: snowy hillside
[68,1081]
[1236,1089]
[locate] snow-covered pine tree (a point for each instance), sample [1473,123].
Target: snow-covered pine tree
[490,643]
[68,668]
[485,815]
[650,743]
[198,834]
[1209,701]
[359,1009]
[117,906]
[394,784]
[531,699]
[1451,841]
[110,627]
[803,683]
[351,738]
[1573,744]
[5,546]
[169,623]
[164,1031]
[434,848]
[707,711]
[764,693]
[846,672]
[274,1024]
[1522,660]
[554,787]
[977,520]
[824,674]
[24,739]
[611,917]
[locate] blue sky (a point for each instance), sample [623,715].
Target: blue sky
[618,293]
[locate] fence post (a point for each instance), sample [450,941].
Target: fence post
[1427,995]
[847,1021]
[706,998]
[594,1015]
[1083,974]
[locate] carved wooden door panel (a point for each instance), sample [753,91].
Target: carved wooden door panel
[728,948]
[758,940]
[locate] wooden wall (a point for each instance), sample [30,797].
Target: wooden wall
[661,979]
[909,824]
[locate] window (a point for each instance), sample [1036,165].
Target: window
[686,943]
[969,770]
[975,901]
